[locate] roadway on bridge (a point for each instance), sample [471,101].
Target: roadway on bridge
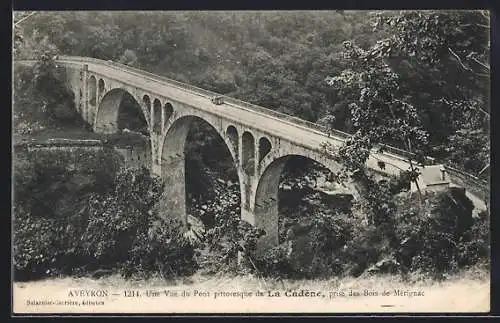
[310,138]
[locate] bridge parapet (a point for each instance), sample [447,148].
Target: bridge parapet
[327,133]
[208,93]
[473,184]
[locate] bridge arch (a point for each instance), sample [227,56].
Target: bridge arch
[80,104]
[266,199]
[157,115]
[101,87]
[113,110]
[248,153]
[147,101]
[92,90]
[173,163]
[232,134]
[167,111]
[264,148]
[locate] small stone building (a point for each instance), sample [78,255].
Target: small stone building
[432,178]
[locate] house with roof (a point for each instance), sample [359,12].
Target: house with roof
[432,178]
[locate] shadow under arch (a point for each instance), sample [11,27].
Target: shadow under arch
[174,167]
[266,206]
[92,88]
[118,110]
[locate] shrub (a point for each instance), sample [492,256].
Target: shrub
[369,245]
[50,198]
[398,235]
[160,247]
[41,99]
[74,213]
[473,245]
[229,238]
[44,245]
[34,252]
[311,249]
[440,235]
[125,232]
[275,262]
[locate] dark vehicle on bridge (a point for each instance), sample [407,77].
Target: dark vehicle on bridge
[217,100]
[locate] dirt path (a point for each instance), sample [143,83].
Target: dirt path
[239,295]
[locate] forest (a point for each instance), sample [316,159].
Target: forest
[284,62]
[419,81]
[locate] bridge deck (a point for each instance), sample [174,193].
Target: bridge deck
[298,134]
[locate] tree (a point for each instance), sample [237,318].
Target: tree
[380,113]
[421,88]
[442,59]
[128,58]
[114,216]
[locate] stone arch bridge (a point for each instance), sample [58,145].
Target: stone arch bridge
[259,140]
